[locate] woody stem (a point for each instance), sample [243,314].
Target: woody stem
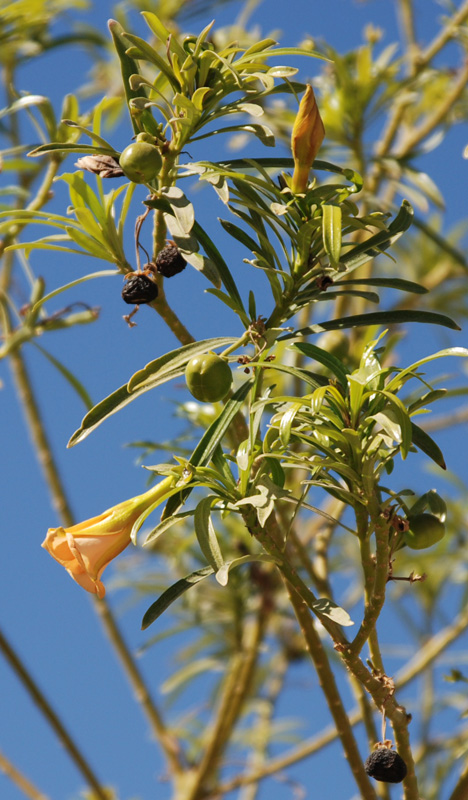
[52,718]
[62,506]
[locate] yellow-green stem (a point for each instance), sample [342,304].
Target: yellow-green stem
[235,691]
[20,780]
[52,718]
[60,502]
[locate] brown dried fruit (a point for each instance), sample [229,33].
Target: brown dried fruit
[386,765]
[139,288]
[170,261]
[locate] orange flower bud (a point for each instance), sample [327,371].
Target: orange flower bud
[86,549]
[307,136]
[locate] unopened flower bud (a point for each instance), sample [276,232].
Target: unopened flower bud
[307,136]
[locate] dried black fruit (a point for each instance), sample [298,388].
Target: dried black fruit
[386,765]
[170,261]
[139,289]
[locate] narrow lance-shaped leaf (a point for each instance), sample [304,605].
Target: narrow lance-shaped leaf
[128,68]
[428,446]
[331,232]
[175,359]
[395,317]
[173,593]
[402,375]
[180,587]
[63,147]
[328,360]
[403,420]
[228,281]
[210,441]
[391,283]
[161,370]
[205,532]
[69,377]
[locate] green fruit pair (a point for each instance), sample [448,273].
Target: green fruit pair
[141,161]
[208,377]
[424,531]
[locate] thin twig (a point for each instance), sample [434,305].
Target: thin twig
[235,691]
[461,789]
[20,780]
[167,741]
[60,502]
[447,33]
[52,718]
[417,135]
[407,25]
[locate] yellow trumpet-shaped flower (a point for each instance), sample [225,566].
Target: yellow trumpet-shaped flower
[86,549]
[307,136]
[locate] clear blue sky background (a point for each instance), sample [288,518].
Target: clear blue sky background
[49,620]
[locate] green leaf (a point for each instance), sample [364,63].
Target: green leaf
[210,440]
[241,236]
[90,244]
[35,101]
[372,247]
[164,526]
[174,362]
[142,50]
[163,34]
[283,51]
[331,232]
[396,317]
[92,135]
[63,147]
[173,593]
[129,67]
[327,608]
[222,574]
[403,420]
[69,377]
[206,533]
[328,360]
[391,283]
[181,208]
[286,423]
[182,677]
[408,372]
[439,240]
[267,493]
[180,587]
[428,446]
[228,281]
[310,378]
[224,299]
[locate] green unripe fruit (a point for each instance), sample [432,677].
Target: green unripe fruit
[208,377]
[425,530]
[141,161]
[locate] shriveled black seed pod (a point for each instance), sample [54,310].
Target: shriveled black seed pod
[170,261]
[139,289]
[386,765]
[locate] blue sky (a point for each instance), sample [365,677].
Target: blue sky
[48,619]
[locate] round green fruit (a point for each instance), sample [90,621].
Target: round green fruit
[140,161]
[425,530]
[208,377]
